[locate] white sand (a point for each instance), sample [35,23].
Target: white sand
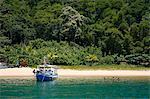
[24,72]
[67,72]
[16,72]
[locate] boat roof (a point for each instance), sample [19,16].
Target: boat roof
[47,66]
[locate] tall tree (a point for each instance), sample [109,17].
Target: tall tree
[71,22]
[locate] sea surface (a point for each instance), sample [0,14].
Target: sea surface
[76,88]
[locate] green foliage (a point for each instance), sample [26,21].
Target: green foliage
[4,41]
[71,22]
[96,29]
[138,59]
[106,67]
[91,59]
[106,60]
[56,53]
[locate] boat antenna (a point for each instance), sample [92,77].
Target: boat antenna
[44,60]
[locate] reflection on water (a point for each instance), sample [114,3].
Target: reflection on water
[74,88]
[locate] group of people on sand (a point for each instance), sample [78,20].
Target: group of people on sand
[112,78]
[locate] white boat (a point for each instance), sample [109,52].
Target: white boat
[46,73]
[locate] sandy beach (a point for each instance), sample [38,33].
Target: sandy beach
[14,72]
[27,72]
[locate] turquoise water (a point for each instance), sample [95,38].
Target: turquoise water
[75,88]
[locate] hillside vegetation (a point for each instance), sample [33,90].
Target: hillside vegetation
[75,32]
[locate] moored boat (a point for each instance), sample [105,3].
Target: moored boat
[46,73]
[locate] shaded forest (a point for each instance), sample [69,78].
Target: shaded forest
[76,32]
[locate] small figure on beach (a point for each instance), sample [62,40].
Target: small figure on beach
[17,64]
[113,78]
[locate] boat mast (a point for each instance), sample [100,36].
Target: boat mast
[44,62]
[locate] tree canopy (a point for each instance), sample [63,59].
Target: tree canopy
[115,26]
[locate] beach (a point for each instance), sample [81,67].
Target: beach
[28,72]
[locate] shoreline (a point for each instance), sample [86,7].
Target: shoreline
[28,72]
[103,73]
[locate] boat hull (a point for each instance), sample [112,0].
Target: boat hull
[41,77]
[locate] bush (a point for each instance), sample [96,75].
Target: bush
[57,53]
[91,59]
[138,59]
[106,60]
[64,54]
[119,59]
